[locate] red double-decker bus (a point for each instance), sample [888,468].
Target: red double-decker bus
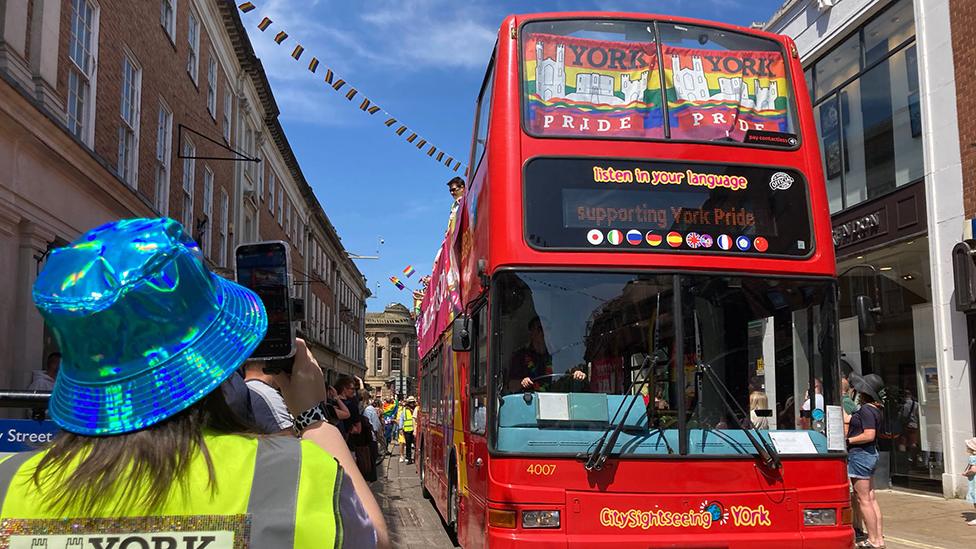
[630,336]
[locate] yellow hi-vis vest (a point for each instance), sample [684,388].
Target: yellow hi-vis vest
[407,420]
[270,492]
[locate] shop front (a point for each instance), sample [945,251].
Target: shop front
[883,255]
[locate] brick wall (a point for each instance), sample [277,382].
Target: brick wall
[963,20]
[135,26]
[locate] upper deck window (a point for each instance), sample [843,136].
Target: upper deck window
[651,206]
[601,78]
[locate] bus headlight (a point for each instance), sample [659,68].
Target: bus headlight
[540,519]
[820,517]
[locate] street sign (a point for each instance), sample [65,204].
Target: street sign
[19,435]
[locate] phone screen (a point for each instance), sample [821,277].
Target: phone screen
[263,268]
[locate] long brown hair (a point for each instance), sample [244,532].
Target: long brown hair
[144,464]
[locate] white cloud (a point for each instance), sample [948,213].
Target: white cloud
[413,36]
[301,95]
[432,33]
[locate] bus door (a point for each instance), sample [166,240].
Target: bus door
[476,461]
[449,368]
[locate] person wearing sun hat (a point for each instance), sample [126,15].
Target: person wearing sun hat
[862,453]
[150,450]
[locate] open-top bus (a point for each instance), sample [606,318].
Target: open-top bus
[635,300]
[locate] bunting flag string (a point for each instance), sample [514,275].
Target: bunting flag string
[367,105]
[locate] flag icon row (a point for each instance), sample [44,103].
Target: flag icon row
[675,239]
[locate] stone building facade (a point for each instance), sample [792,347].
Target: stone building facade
[112,109]
[391,350]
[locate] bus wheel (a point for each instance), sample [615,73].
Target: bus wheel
[423,474]
[453,505]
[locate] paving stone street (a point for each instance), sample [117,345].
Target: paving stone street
[413,521]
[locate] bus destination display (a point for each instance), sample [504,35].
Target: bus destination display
[650,206]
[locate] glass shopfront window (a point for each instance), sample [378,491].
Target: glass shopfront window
[867,110]
[901,349]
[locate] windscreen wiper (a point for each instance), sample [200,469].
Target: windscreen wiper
[596,457]
[766,452]
[599,452]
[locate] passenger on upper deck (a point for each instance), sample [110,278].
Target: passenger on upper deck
[456,186]
[530,367]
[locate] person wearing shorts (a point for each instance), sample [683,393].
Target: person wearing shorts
[862,453]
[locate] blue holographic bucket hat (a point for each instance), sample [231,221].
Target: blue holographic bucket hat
[145,329]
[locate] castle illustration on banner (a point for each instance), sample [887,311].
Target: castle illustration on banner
[550,82]
[689,84]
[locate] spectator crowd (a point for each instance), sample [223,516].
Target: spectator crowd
[373,427]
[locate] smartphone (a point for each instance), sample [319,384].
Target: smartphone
[263,268]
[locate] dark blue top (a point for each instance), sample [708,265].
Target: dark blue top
[867,416]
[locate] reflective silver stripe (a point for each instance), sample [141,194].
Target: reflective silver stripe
[8,469]
[273,504]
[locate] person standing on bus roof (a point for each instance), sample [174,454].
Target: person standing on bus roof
[456,186]
[148,441]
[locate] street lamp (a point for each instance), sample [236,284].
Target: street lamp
[379,243]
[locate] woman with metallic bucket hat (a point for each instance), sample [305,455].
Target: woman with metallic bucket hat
[151,456]
[862,453]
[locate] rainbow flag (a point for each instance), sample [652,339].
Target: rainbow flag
[409,271]
[723,94]
[600,87]
[396,282]
[390,410]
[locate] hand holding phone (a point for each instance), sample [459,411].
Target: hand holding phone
[304,388]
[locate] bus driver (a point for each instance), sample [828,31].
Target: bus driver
[530,368]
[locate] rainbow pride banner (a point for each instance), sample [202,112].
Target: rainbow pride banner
[585,87]
[716,95]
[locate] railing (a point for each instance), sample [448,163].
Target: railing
[35,401]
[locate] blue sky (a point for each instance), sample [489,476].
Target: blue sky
[423,61]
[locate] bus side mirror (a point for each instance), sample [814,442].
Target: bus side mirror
[866,311]
[964,275]
[460,335]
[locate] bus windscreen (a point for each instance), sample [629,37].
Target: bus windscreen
[650,206]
